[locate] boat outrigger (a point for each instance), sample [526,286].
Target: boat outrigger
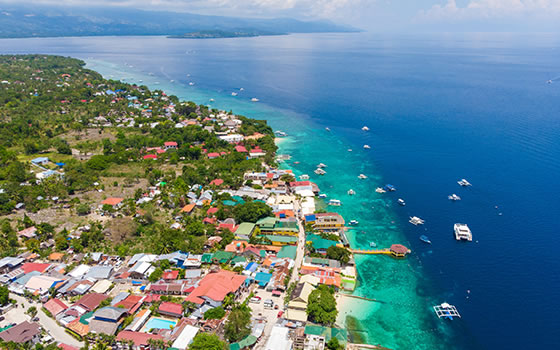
[446,311]
[415,220]
[464,183]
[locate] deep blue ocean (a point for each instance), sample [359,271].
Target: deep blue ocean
[440,108]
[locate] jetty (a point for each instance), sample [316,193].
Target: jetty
[396,250]
[351,346]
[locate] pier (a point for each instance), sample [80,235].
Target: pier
[396,250]
[351,346]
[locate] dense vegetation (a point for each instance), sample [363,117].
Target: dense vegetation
[321,305]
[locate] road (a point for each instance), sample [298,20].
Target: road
[18,315]
[300,246]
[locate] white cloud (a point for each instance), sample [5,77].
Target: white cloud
[488,9]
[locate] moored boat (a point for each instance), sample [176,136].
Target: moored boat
[335,202]
[462,232]
[464,183]
[454,197]
[365,128]
[362,176]
[401,202]
[367,147]
[425,239]
[415,220]
[353,222]
[351,192]
[380,190]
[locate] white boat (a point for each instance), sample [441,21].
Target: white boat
[349,149]
[304,177]
[327,129]
[366,147]
[380,190]
[322,195]
[415,220]
[351,192]
[454,197]
[172,81]
[401,202]
[446,311]
[320,171]
[234,94]
[191,83]
[464,183]
[353,222]
[550,81]
[241,89]
[335,202]
[462,232]
[254,99]
[365,128]
[372,244]
[211,100]
[362,176]
[321,165]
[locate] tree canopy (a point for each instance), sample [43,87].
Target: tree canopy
[251,211]
[238,325]
[321,306]
[207,341]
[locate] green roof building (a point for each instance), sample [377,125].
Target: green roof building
[246,342]
[245,230]
[206,258]
[281,240]
[328,333]
[274,226]
[319,243]
[288,251]
[222,257]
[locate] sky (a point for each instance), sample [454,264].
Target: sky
[372,15]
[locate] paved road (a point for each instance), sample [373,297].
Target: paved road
[18,315]
[300,246]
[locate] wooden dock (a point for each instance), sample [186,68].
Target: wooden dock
[351,346]
[396,251]
[371,251]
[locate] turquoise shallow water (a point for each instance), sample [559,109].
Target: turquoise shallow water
[404,319]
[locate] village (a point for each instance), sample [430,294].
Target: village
[163,224]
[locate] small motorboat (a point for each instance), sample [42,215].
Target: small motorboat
[351,192]
[241,89]
[327,129]
[320,171]
[254,99]
[425,239]
[366,147]
[304,177]
[454,197]
[415,220]
[380,190]
[321,165]
[234,94]
[349,149]
[191,83]
[211,100]
[389,188]
[464,183]
[372,244]
[401,202]
[322,195]
[362,176]
[365,128]
[335,202]
[353,222]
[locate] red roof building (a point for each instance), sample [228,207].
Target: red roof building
[170,144]
[170,275]
[215,286]
[112,201]
[211,211]
[55,306]
[91,301]
[213,155]
[216,182]
[139,339]
[241,149]
[171,309]
[30,267]
[150,156]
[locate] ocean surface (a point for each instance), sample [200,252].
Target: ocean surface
[439,108]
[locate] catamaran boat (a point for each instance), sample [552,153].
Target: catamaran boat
[351,192]
[401,202]
[362,176]
[464,183]
[462,232]
[454,197]
[304,177]
[234,94]
[335,202]
[425,239]
[353,222]
[321,165]
[366,147]
[380,190]
[254,99]
[320,171]
[415,220]
[322,195]
[365,128]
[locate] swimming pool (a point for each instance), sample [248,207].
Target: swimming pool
[159,323]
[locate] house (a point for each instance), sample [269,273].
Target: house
[140,340]
[150,156]
[274,226]
[40,285]
[106,320]
[90,301]
[39,267]
[241,149]
[245,230]
[319,243]
[213,155]
[113,201]
[214,287]
[297,305]
[216,182]
[170,275]
[188,208]
[56,257]
[170,145]
[27,233]
[40,161]
[185,338]
[141,270]
[279,338]
[280,240]
[55,306]
[232,138]
[325,221]
[25,332]
[171,309]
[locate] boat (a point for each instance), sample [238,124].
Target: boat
[454,197]
[425,239]
[389,188]
[254,99]
[366,147]
[380,190]
[335,202]
[462,232]
[241,89]
[372,244]
[351,192]
[320,171]
[321,165]
[280,133]
[191,83]
[549,82]
[446,311]
[365,128]
[212,100]
[464,183]
[304,177]
[353,222]
[401,202]
[234,94]
[172,81]
[322,195]
[415,220]
[349,149]
[327,129]
[362,176]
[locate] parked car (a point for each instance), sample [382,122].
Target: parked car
[255,300]
[280,313]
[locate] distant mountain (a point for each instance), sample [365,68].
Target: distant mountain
[24,21]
